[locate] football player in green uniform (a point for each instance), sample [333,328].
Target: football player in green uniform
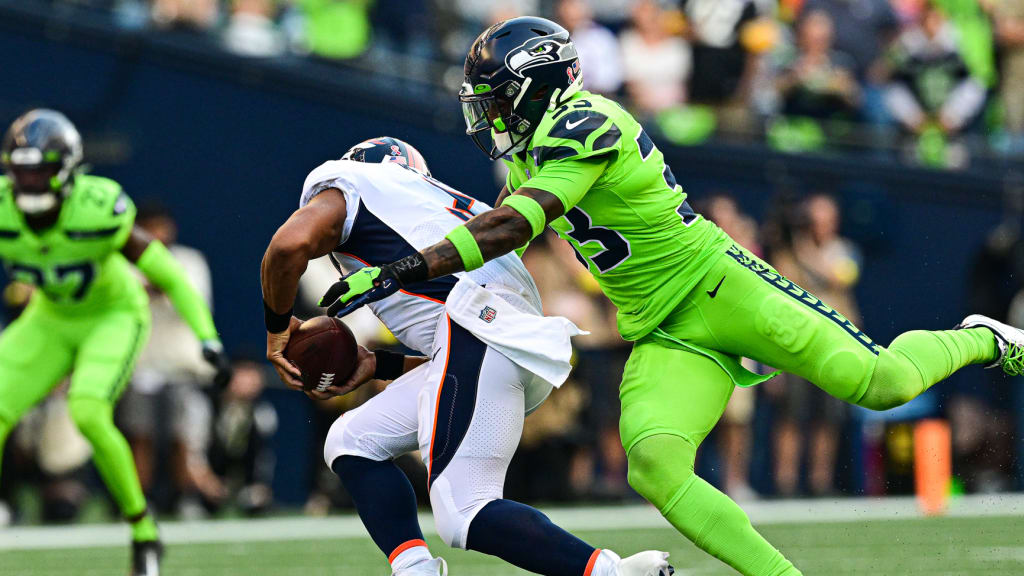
[692,301]
[72,236]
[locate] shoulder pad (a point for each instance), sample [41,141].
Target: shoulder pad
[576,130]
[99,207]
[10,223]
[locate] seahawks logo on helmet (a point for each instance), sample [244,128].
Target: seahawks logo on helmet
[539,51]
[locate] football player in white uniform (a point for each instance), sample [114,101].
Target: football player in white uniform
[490,357]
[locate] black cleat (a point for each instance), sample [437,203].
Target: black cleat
[146,558]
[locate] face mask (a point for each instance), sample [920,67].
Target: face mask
[34,204]
[503,140]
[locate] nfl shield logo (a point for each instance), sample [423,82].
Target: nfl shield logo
[488,314]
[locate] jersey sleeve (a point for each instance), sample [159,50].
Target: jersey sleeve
[568,180]
[102,211]
[334,174]
[572,150]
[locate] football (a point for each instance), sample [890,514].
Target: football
[325,351]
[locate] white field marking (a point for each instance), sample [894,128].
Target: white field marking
[629,517]
[998,553]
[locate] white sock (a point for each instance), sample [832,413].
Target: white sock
[607,564]
[415,553]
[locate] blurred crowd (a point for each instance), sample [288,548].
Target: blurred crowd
[935,82]
[202,450]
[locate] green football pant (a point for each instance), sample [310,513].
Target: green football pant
[40,348]
[675,389]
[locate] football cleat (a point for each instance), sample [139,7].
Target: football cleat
[146,558]
[649,563]
[435,567]
[1009,339]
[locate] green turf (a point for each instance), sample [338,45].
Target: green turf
[932,547]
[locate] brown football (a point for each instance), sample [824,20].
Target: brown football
[325,351]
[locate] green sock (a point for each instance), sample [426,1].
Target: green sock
[915,361]
[144,529]
[661,470]
[113,458]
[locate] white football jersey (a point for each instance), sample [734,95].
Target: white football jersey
[394,211]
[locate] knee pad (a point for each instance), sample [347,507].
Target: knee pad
[91,415]
[660,467]
[347,438]
[894,382]
[455,507]
[843,375]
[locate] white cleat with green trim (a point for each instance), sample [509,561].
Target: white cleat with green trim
[1009,339]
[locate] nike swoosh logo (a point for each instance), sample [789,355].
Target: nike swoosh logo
[713,293]
[573,125]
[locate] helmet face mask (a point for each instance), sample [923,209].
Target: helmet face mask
[516,71]
[41,152]
[37,190]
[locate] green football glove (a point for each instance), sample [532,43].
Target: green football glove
[361,287]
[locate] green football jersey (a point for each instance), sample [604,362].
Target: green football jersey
[626,216]
[77,263]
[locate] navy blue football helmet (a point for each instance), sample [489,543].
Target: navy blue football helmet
[388,149]
[516,71]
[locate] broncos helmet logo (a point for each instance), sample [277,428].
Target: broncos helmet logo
[539,51]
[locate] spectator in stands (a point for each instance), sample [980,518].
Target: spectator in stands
[164,399]
[195,14]
[337,29]
[865,28]
[827,265]
[931,88]
[657,64]
[734,429]
[597,46]
[241,451]
[252,31]
[1009,26]
[722,65]
[818,82]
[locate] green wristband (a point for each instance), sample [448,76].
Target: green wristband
[530,209]
[467,247]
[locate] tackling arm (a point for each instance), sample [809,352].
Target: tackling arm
[158,265]
[497,232]
[521,217]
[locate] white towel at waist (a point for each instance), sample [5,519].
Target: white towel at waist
[537,343]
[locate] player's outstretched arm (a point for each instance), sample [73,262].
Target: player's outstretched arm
[494,233]
[159,266]
[519,218]
[312,231]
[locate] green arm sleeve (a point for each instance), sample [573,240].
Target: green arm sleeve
[160,267]
[569,180]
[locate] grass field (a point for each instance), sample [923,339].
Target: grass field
[982,545]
